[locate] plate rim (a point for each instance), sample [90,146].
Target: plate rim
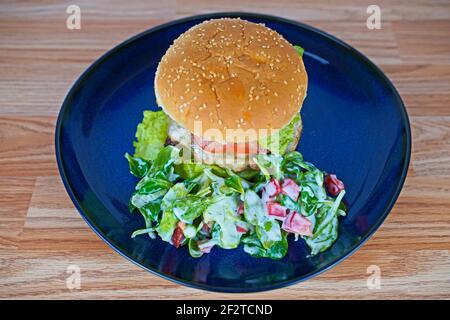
[234,14]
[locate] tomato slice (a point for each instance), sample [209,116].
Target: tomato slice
[241,229]
[177,237]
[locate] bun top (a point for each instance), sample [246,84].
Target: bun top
[231,74]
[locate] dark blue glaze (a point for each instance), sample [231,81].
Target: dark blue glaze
[355,125]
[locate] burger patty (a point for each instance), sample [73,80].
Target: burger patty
[236,161]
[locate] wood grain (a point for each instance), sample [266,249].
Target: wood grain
[41,233]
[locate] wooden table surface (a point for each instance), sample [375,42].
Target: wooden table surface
[41,233]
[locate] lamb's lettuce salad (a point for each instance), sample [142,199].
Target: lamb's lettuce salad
[204,206]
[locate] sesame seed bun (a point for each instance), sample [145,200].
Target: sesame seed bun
[231,74]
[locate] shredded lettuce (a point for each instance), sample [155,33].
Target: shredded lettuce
[279,142]
[151,134]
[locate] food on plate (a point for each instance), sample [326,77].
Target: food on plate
[242,81]
[208,188]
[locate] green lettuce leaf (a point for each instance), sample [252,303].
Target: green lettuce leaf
[178,191]
[254,211]
[285,136]
[151,189]
[192,170]
[326,226]
[299,50]
[270,165]
[151,134]
[254,247]
[167,225]
[191,207]
[268,233]
[138,167]
[189,170]
[223,213]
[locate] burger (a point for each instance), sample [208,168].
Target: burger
[232,89]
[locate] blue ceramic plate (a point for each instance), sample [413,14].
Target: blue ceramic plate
[355,125]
